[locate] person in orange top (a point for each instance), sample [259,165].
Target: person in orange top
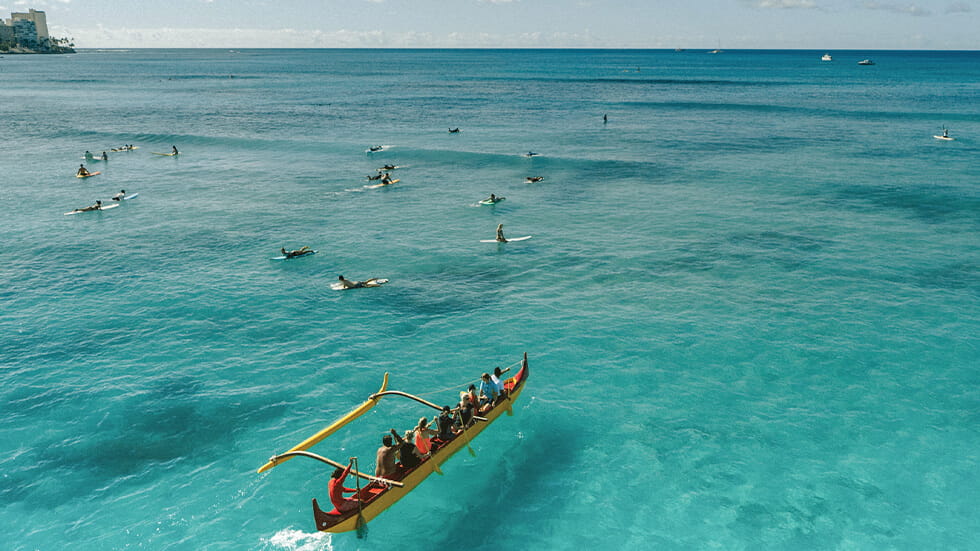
[337,489]
[423,436]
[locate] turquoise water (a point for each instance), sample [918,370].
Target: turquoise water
[750,303]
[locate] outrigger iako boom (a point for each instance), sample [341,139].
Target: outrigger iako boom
[380,493]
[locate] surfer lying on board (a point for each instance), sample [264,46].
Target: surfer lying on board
[375,177]
[82,171]
[374,148]
[500,234]
[386,179]
[388,167]
[96,206]
[348,284]
[454,130]
[532,179]
[337,489]
[119,196]
[298,252]
[492,199]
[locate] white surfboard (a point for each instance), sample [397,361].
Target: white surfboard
[132,196]
[946,138]
[509,239]
[338,286]
[105,207]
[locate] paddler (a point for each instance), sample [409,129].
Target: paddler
[119,196]
[337,489]
[82,171]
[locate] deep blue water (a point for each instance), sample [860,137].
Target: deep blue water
[750,303]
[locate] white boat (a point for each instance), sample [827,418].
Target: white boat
[826,57]
[866,62]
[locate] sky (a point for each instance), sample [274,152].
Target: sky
[707,24]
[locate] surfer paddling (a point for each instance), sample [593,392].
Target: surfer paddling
[304,250]
[96,206]
[348,284]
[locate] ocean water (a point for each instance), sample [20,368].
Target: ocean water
[751,303]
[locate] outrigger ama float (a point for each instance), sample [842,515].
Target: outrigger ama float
[379,493]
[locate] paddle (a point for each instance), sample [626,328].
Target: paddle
[360,524]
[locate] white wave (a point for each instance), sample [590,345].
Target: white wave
[298,540]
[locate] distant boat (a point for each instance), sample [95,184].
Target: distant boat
[715,51]
[866,62]
[826,57]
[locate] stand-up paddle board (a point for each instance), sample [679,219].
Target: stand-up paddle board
[338,286]
[945,138]
[107,207]
[509,239]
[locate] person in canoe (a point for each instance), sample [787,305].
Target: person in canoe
[96,206]
[445,423]
[337,489]
[119,196]
[82,171]
[408,454]
[348,284]
[174,150]
[298,252]
[500,234]
[488,392]
[386,467]
[423,436]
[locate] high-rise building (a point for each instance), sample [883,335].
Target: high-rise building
[37,17]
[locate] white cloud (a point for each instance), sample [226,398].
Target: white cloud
[959,7]
[909,9]
[107,37]
[785,4]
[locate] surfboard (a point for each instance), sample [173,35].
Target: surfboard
[106,207]
[489,202]
[338,286]
[132,196]
[946,138]
[308,253]
[89,175]
[165,154]
[92,159]
[383,185]
[509,239]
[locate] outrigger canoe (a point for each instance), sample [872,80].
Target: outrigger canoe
[379,494]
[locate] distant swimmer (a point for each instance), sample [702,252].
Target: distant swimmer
[374,148]
[302,251]
[532,179]
[605,119]
[530,154]
[119,196]
[82,171]
[96,206]
[104,156]
[174,150]
[454,130]
[389,167]
[500,234]
[348,284]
